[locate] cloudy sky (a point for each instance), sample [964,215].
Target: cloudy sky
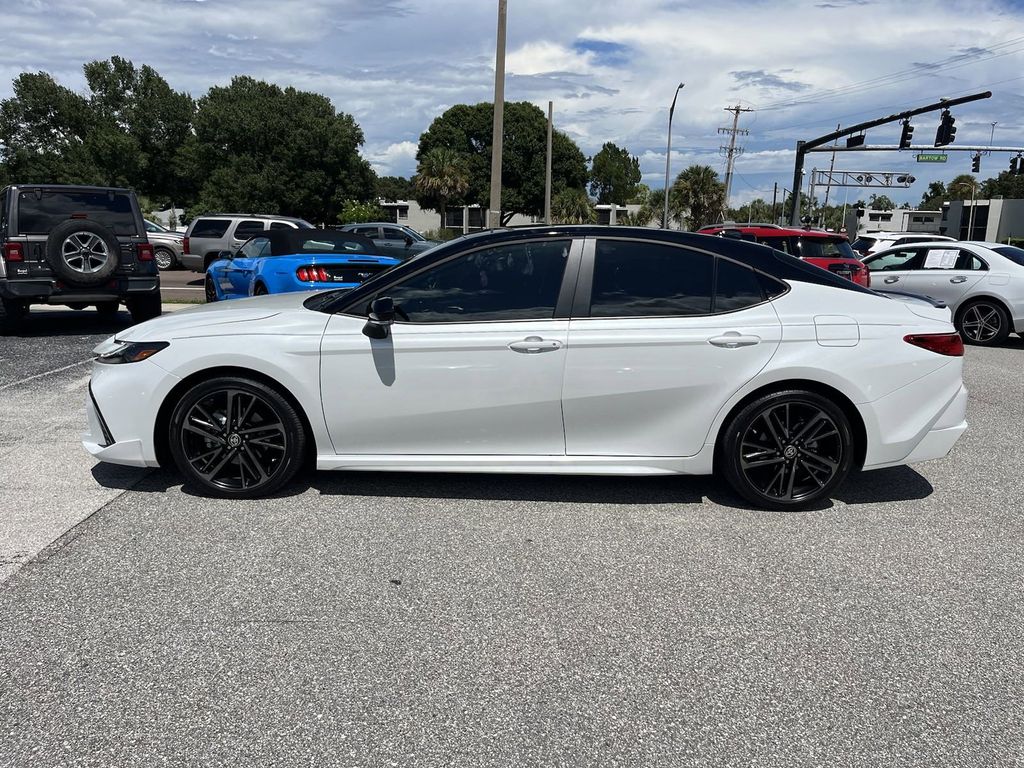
[609,67]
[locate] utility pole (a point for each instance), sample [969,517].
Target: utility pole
[547,169]
[494,213]
[668,154]
[732,150]
[831,167]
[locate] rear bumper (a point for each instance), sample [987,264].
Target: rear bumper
[192,261]
[50,292]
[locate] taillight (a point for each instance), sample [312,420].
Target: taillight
[14,252]
[144,252]
[312,275]
[184,245]
[940,343]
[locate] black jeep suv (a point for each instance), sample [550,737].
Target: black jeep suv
[74,245]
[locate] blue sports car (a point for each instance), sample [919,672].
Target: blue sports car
[281,260]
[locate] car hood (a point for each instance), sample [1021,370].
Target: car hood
[220,319]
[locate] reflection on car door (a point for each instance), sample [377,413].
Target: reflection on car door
[946,274]
[240,269]
[658,347]
[892,270]
[472,366]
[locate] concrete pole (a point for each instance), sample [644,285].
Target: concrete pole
[547,169]
[494,213]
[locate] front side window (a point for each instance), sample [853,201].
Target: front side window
[900,260]
[638,279]
[247,229]
[394,234]
[520,281]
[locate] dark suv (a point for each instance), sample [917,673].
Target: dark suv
[77,246]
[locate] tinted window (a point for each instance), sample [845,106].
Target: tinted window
[367,231]
[778,243]
[280,225]
[736,287]
[894,260]
[246,229]
[822,248]
[864,244]
[646,279]
[38,213]
[394,234]
[213,228]
[1013,253]
[510,282]
[968,261]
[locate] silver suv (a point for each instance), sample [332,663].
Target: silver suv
[212,233]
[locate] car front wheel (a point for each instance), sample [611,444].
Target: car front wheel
[237,438]
[210,289]
[787,450]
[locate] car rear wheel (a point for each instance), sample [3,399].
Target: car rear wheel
[787,450]
[237,438]
[210,289]
[983,323]
[165,259]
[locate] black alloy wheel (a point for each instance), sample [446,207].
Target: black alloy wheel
[983,323]
[210,289]
[787,450]
[237,438]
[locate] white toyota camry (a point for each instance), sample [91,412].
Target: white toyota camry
[574,350]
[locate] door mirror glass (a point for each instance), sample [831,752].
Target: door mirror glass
[382,315]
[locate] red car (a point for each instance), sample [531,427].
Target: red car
[827,250]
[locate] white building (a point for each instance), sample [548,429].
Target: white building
[994,220]
[470,218]
[866,220]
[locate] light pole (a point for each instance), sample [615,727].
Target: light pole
[494,212]
[668,153]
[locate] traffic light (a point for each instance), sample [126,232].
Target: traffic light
[976,163]
[947,130]
[1015,165]
[907,135]
[855,141]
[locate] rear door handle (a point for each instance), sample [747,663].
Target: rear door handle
[732,340]
[960,279]
[891,280]
[533,345]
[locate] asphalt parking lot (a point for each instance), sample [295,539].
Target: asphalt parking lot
[431,620]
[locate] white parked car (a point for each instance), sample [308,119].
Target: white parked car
[564,350]
[874,242]
[982,283]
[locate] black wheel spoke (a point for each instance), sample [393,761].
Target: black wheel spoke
[767,417]
[278,427]
[209,431]
[253,465]
[820,461]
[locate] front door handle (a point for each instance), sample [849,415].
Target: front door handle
[533,345]
[891,280]
[732,340]
[960,279]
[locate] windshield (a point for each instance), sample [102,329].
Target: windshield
[152,226]
[823,248]
[1011,252]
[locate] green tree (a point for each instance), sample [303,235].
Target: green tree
[355,212]
[963,187]
[467,129]
[147,124]
[1010,186]
[441,176]
[614,175]
[48,133]
[573,206]
[757,210]
[698,195]
[881,203]
[641,194]
[394,188]
[932,199]
[262,148]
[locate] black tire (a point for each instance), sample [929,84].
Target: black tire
[144,308]
[787,450]
[83,252]
[236,438]
[259,290]
[210,290]
[165,259]
[983,323]
[13,314]
[108,309]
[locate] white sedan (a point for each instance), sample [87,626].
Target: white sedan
[981,283]
[572,350]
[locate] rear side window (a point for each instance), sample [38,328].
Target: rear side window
[736,287]
[634,279]
[210,228]
[247,229]
[281,225]
[1011,252]
[40,212]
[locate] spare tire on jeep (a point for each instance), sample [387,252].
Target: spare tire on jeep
[82,252]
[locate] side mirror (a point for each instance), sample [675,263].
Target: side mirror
[382,315]
[225,255]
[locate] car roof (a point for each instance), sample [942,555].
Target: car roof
[374,224]
[77,187]
[274,216]
[769,230]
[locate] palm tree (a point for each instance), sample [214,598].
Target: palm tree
[962,187]
[699,193]
[572,206]
[441,176]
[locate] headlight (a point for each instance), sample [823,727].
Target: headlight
[130,351]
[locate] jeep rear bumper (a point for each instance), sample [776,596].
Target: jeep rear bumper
[46,291]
